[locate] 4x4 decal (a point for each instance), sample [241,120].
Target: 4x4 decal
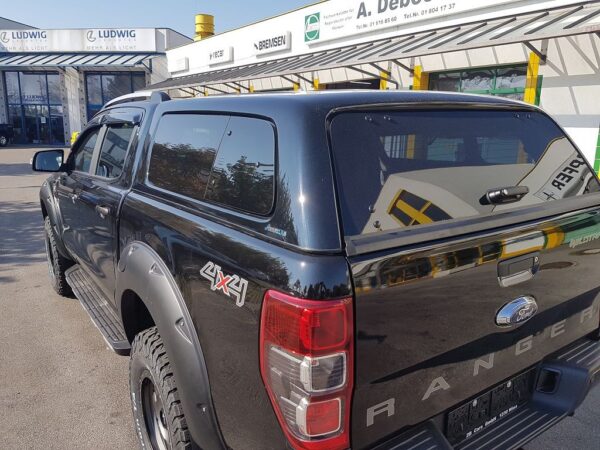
[230,285]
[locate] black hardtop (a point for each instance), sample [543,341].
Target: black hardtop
[321,103]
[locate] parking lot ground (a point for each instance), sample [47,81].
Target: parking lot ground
[60,387]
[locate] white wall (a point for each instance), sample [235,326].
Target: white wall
[242,40]
[571,88]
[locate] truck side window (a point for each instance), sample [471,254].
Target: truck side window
[83,157]
[184,150]
[244,170]
[113,151]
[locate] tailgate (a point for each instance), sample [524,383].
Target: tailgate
[473,238]
[427,337]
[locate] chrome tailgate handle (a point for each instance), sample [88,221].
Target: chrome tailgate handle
[518,270]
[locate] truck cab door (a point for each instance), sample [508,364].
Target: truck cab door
[69,186]
[99,200]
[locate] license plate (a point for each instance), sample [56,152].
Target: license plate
[481,412]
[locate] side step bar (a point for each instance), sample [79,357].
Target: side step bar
[574,370]
[99,310]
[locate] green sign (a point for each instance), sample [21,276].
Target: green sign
[312,27]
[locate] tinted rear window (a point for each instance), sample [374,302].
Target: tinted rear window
[222,159]
[185,146]
[406,168]
[243,172]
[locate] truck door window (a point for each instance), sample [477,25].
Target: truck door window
[183,153]
[114,149]
[244,170]
[85,151]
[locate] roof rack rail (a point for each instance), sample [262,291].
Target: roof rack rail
[159,97]
[141,96]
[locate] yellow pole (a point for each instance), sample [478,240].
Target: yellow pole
[420,79]
[383,80]
[533,69]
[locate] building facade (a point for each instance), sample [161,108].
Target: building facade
[544,52]
[53,81]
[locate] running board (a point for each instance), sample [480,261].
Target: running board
[99,310]
[562,383]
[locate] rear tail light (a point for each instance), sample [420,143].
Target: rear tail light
[306,359]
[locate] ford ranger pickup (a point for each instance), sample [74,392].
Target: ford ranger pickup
[406,270]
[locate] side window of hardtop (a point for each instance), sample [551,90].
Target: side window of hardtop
[222,159]
[81,159]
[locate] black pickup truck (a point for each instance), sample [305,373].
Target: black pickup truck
[6,134]
[334,270]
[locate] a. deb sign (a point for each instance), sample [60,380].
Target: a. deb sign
[78,40]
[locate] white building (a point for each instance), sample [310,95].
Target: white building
[53,81]
[545,52]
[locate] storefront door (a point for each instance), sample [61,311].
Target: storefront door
[37,124]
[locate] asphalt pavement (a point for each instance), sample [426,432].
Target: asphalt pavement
[60,386]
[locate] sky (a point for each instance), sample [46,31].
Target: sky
[176,14]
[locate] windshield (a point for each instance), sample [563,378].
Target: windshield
[398,169]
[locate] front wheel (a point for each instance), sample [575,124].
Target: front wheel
[3,140]
[57,263]
[157,410]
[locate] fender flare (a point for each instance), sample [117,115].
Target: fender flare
[143,271]
[49,202]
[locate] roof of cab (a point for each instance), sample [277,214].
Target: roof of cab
[325,101]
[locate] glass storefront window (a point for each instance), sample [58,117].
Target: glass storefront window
[449,82]
[507,81]
[34,107]
[103,87]
[54,95]
[114,86]
[12,87]
[481,80]
[139,82]
[34,88]
[511,78]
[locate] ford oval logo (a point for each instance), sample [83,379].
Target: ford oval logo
[516,312]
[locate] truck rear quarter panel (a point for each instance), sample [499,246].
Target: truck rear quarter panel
[228,333]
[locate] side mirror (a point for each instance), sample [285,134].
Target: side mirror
[48,161]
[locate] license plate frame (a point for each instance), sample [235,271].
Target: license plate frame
[474,416]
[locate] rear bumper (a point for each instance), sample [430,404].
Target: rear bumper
[575,370]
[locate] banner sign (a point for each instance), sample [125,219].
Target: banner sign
[334,20]
[274,43]
[88,40]
[220,55]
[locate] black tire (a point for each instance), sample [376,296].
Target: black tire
[157,411]
[57,263]
[4,140]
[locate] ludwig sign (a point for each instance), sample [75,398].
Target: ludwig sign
[335,20]
[96,40]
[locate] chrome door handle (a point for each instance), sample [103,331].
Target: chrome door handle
[103,211]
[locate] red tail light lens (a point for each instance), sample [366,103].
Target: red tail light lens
[306,357]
